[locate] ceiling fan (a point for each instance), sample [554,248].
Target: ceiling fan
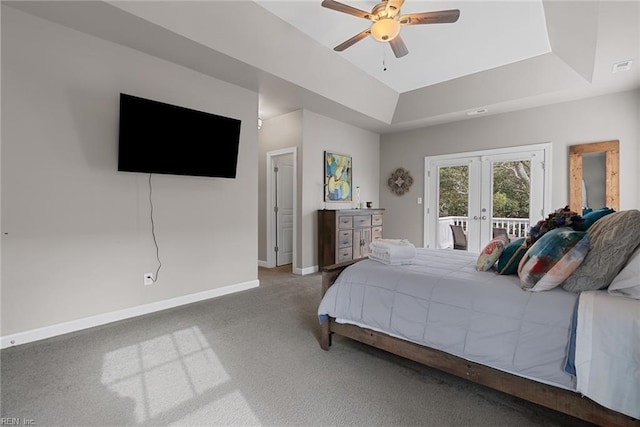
[386,22]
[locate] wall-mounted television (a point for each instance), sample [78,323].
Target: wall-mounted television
[155,137]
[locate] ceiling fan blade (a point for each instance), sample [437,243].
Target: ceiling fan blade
[398,46]
[441,17]
[340,7]
[353,40]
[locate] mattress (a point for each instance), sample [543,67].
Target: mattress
[607,352]
[442,302]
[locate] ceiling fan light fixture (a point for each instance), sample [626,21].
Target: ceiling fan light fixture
[385,30]
[387,22]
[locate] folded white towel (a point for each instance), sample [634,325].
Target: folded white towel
[395,255]
[386,259]
[397,249]
[389,243]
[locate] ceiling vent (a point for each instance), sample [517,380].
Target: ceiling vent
[621,66]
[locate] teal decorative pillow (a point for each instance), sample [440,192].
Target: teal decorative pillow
[545,253]
[511,256]
[563,268]
[591,217]
[490,254]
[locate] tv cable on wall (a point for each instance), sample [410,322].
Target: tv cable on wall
[153,231]
[159,138]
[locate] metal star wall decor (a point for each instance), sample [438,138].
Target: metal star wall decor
[400,181]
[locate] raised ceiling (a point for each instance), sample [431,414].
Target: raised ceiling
[243,43]
[487,35]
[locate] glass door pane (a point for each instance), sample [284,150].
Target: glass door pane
[511,198]
[453,207]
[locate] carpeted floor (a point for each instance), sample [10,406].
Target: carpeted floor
[251,358]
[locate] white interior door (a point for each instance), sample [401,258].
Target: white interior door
[481,191]
[283,177]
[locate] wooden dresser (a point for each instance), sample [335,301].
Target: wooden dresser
[345,234]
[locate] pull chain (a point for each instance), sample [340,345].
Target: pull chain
[384,60]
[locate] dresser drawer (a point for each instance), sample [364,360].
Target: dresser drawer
[345,238]
[345,222]
[376,219]
[376,233]
[362,221]
[345,254]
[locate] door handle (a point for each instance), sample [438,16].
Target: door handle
[484,217]
[476,218]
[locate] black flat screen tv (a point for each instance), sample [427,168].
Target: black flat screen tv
[155,137]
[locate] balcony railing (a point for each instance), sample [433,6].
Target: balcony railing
[516,227]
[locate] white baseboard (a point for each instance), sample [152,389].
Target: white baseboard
[114,316]
[305,271]
[263,264]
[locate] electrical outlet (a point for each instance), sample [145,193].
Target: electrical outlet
[148,279]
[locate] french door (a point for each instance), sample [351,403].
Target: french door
[483,193]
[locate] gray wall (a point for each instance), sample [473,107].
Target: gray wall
[321,133]
[76,235]
[280,132]
[313,134]
[604,118]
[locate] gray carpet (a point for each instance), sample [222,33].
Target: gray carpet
[250,358]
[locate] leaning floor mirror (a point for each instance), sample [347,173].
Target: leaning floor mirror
[594,175]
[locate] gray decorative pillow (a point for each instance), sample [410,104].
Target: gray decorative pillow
[613,240]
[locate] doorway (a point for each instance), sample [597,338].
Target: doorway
[476,195]
[281,207]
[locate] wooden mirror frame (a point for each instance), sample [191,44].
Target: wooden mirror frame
[612,189]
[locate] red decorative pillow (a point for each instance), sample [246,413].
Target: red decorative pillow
[490,254]
[563,268]
[546,253]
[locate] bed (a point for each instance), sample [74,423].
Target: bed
[441,312]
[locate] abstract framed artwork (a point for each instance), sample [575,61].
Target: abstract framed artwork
[337,177]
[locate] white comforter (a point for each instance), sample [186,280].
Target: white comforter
[608,351]
[442,302]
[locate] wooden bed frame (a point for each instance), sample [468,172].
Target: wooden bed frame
[561,400]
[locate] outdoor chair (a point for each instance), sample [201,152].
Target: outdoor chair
[459,238]
[501,232]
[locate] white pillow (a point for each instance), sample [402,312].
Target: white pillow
[627,282]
